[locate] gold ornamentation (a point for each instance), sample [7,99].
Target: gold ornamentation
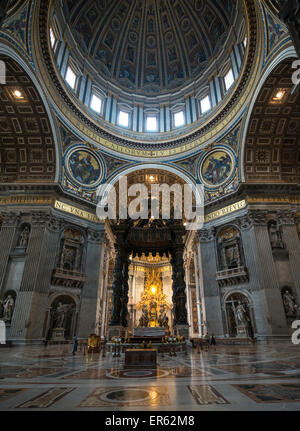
[224,211]
[153,297]
[62,206]
[26,200]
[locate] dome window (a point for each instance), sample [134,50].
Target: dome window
[229,79]
[123,119]
[245,42]
[96,104]
[151,124]
[179,119]
[52,38]
[71,78]
[205,104]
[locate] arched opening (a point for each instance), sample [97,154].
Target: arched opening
[27,150]
[62,325]
[239,317]
[149,286]
[271,153]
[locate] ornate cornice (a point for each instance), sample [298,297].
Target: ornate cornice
[95,237]
[39,218]
[54,224]
[287,217]
[258,217]
[10,219]
[206,235]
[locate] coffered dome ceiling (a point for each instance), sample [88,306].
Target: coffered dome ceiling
[152,59]
[152,47]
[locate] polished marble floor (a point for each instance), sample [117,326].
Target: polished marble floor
[258,377]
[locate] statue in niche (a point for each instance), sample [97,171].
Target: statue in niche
[230,249]
[275,234]
[60,315]
[144,319]
[240,315]
[68,258]
[289,303]
[8,306]
[232,256]
[24,238]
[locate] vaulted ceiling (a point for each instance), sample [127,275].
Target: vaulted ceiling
[272,152]
[27,150]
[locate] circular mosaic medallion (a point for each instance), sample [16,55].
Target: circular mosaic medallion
[216,168]
[84,167]
[127,395]
[138,373]
[142,374]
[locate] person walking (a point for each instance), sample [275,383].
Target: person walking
[213,342]
[75,345]
[207,342]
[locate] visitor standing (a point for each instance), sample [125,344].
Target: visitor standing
[75,345]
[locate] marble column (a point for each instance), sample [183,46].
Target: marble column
[211,290]
[199,286]
[117,288]
[266,269]
[90,290]
[103,268]
[7,235]
[260,308]
[25,314]
[179,287]
[291,239]
[125,290]
[44,275]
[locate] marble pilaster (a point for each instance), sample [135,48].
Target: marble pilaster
[90,291]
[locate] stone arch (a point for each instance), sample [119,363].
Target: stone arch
[230,301]
[272,130]
[75,237]
[61,325]
[29,147]
[230,251]
[169,171]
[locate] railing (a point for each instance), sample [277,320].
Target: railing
[67,278]
[232,276]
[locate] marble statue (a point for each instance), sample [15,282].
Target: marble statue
[60,315]
[68,258]
[289,303]
[240,315]
[24,237]
[8,308]
[275,234]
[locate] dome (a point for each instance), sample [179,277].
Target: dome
[151,47]
[148,71]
